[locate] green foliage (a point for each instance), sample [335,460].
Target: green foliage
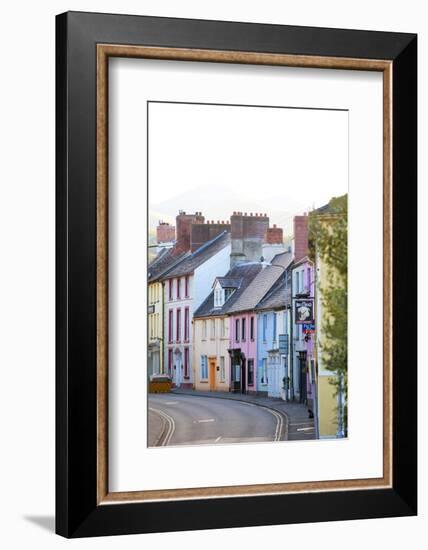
[328,240]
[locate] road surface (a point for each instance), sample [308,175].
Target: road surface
[192,420]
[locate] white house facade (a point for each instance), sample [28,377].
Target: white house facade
[184,290]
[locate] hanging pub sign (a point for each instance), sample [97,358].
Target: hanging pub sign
[308,327]
[303,311]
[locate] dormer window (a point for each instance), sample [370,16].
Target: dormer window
[223,290]
[228,293]
[218,297]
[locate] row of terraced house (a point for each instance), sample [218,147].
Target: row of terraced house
[233,309]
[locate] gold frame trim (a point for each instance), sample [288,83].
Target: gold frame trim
[104,51]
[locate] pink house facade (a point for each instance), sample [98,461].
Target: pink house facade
[243,352]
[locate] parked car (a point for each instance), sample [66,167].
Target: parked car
[160,383]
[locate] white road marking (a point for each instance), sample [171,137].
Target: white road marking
[218,439]
[304,429]
[171,425]
[171,402]
[298,424]
[279,418]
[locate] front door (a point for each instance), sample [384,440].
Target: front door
[212,375]
[177,370]
[243,376]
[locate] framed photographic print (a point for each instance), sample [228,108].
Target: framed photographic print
[236,274]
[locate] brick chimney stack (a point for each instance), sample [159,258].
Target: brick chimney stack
[201,233]
[300,237]
[184,222]
[165,232]
[247,235]
[274,235]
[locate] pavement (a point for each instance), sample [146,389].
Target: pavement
[188,417]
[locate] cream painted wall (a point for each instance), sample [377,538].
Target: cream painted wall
[155,331]
[213,346]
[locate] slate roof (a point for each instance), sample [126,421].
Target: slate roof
[201,255]
[327,208]
[245,273]
[263,283]
[276,298]
[164,261]
[229,282]
[284,259]
[257,289]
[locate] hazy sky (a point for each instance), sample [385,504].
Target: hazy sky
[298,155]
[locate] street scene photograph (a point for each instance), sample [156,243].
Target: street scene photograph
[247,290]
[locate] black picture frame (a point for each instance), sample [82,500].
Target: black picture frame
[77,511]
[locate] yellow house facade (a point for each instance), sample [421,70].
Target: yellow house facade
[211,362]
[155,328]
[328,402]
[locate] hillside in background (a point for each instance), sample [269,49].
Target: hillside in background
[219,202]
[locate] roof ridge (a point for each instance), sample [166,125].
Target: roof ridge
[208,243]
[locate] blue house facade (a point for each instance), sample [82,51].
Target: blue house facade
[272,361]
